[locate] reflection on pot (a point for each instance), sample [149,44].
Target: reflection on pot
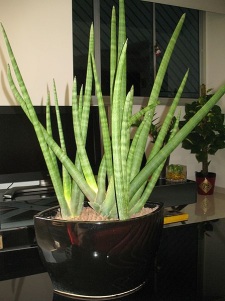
[205,205]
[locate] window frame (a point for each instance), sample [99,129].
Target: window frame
[143,100]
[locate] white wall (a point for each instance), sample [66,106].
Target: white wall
[215,45]
[215,76]
[41,37]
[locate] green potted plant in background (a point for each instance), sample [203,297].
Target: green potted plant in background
[112,255]
[205,139]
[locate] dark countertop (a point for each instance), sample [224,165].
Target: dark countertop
[178,255]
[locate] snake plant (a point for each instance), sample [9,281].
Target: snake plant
[121,187]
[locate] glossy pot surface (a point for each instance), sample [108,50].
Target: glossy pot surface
[205,184]
[98,260]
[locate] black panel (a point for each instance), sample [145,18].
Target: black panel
[20,156]
[20,263]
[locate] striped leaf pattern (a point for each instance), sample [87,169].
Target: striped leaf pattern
[123,186]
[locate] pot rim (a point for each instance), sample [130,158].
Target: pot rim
[209,175]
[39,215]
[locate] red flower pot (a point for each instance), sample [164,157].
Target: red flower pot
[205,184]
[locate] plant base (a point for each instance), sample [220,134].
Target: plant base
[98,260]
[205,184]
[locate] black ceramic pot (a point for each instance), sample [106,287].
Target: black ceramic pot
[98,260]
